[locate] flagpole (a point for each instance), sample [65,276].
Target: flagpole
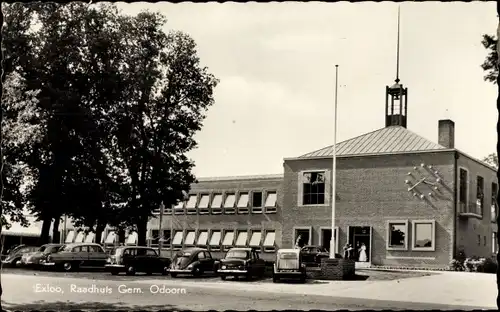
[334,166]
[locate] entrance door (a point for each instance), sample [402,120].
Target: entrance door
[326,236]
[302,237]
[360,239]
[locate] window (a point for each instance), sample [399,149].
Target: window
[132,238]
[229,204]
[90,237]
[463,190]
[271,202]
[313,188]
[190,238]
[302,236]
[480,195]
[80,237]
[241,240]
[179,208]
[494,242]
[201,255]
[111,239]
[255,239]
[397,235]
[228,239]
[202,238]
[484,240]
[217,204]
[154,237]
[70,237]
[167,209]
[243,203]
[203,205]
[478,240]
[269,241]
[95,249]
[424,235]
[494,210]
[257,202]
[215,240]
[151,253]
[177,241]
[191,204]
[167,238]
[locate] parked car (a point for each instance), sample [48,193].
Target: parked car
[14,257]
[77,255]
[33,258]
[242,262]
[312,255]
[133,259]
[289,264]
[193,261]
[13,249]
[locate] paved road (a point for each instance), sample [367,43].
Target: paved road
[27,291]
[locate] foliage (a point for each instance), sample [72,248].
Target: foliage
[492,160]
[121,101]
[490,63]
[456,265]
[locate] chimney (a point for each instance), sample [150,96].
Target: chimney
[446,133]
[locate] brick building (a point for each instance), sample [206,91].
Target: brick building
[410,201]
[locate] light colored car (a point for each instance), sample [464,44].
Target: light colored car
[288,264]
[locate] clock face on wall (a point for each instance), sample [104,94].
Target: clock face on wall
[424,181]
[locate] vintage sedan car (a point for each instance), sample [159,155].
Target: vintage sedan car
[134,259]
[13,258]
[193,261]
[241,262]
[77,255]
[32,259]
[312,255]
[288,264]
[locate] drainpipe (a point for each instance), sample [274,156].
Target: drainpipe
[455,204]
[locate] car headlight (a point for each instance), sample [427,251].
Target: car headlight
[189,267]
[223,267]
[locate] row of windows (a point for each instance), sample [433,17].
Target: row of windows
[215,240]
[478,208]
[80,236]
[227,203]
[423,235]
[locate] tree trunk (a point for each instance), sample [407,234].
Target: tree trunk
[142,228]
[44,236]
[56,236]
[98,232]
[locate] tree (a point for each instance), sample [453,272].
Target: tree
[166,97]
[490,63]
[492,160]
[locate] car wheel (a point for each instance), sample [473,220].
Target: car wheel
[223,277]
[67,266]
[196,271]
[114,272]
[275,279]
[130,270]
[302,279]
[165,271]
[174,275]
[248,277]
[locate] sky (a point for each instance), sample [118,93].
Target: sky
[276,65]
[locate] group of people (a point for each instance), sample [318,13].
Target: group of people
[358,254]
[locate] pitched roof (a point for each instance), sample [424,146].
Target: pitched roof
[394,139]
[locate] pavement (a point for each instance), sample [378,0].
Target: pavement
[444,291]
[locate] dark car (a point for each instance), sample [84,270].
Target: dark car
[312,255]
[133,259]
[242,262]
[192,261]
[14,257]
[78,255]
[32,259]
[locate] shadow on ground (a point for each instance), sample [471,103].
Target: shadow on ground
[94,306]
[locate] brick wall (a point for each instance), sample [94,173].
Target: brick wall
[370,191]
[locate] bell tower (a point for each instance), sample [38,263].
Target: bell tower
[396,97]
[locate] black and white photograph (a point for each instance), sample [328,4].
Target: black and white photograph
[249,156]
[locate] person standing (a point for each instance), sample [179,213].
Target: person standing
[362,253]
